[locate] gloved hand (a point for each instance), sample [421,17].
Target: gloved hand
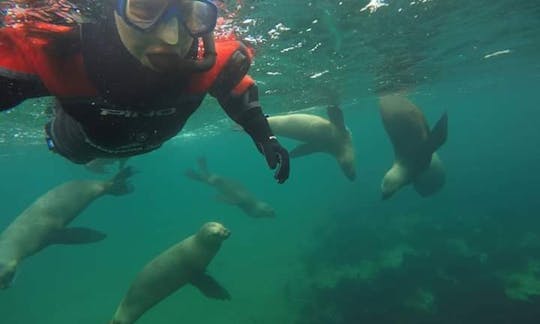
[276,157]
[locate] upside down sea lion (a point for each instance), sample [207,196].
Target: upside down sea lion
[45,221]
[413,142]
[183,263]
[232,192]
[319,135]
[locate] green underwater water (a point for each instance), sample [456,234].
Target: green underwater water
[335,253]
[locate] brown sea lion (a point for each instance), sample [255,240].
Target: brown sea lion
[411,138]
[319,135]
[183,263]
[232,192]
[45,221]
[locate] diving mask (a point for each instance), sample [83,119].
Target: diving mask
[199,17]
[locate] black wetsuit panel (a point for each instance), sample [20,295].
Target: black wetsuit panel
[133,129]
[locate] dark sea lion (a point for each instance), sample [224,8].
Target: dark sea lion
[183,263]
[411,138]
[45,221]
[319,135]
[232,192]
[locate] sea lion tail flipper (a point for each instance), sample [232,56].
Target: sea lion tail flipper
[304,149]
[335,114]
[203,175]
[122,163]
[210,287]
[119,185]
[192,174]
[203,166]
[76,235]
[438,134]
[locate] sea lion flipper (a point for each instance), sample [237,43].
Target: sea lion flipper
[304,149]
[194,175]
[203,166]
[335,115]
[119,184]
[210,287]
[76,235]
[438,134]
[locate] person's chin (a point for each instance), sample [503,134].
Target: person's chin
[161,62]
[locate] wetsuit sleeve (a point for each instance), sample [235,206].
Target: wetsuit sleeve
[238,94]
[244,108]
[16,88]
[18,80]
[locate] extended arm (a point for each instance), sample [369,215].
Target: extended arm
[245,110]
[15,88]
[238,94]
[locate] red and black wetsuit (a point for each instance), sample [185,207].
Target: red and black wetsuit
[109,105]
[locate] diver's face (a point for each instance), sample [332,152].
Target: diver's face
[7,275]
[159,48]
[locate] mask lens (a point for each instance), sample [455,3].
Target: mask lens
[199,17]
[145,13]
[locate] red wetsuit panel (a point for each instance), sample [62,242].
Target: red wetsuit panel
[202,82]
[25,49]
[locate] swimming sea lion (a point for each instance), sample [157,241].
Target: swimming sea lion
[412,140]
[432,180]
[183,263]
[45,221]
[319,135]
[232,192]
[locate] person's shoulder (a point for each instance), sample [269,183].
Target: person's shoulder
[229,47]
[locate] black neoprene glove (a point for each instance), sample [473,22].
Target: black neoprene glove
[255,124]
[276,157]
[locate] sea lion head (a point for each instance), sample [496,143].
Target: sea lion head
[393,180]
[213,232]
[7,273]
[264,210]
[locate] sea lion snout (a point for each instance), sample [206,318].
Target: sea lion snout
[216,230]
[264,210]
[7,275]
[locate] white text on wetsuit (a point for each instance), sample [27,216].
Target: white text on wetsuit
[135,114]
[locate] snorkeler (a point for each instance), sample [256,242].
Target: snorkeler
[128,81]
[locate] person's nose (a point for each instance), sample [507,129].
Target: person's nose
[168,31]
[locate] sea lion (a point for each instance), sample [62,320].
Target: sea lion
[232,192]
[45,221]
[183,263]
[411,138]
[432,180]
[319,135]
